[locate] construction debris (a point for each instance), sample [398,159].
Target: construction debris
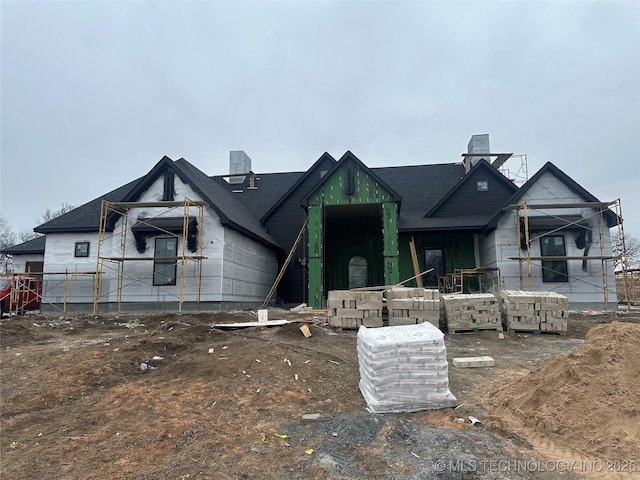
[305,331]
[473,362]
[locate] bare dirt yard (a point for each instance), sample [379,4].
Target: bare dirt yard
[229,403]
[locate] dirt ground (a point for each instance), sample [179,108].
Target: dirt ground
[228,403]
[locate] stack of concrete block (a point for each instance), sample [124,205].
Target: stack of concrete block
[410,306]
[471,312]
[531,311]
[403,368]
[348,309]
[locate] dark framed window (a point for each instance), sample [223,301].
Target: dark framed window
[82,249]
[164,271]
[482,185]
[168,190]
[433,258]
[554,270]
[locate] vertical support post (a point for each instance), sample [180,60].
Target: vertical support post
[123,249]
[97,281]
[390,235]
[315,256]
[416,265]
[518,235]
[526,238]
[200,254]
[603,262]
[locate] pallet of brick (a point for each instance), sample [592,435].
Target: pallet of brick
[534,311]
[403,368]
[349,309]
[410,306]
[471,312]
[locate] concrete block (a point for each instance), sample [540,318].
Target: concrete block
[473,362]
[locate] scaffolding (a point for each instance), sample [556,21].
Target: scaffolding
[471,280]
[526,261]
[121,209]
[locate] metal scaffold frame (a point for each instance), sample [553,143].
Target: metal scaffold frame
[122,209]
[599,208]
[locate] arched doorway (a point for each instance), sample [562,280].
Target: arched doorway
[358,271]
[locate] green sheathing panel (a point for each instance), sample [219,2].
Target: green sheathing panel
[315,256]
[350,184]
[457,252]
[390,237]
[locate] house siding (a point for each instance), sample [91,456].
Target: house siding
[585,290]
[230,259]
[466,200]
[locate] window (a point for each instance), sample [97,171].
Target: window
[433,259]
[82,249]
[168,193]
[164,271]
[554,270]
[482,185]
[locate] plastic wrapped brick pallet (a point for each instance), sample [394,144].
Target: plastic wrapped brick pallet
[403,368]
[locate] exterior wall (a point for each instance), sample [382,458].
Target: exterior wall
[249,269]
[236,269]
[458,252]
[469,200]
[19,262]
[585,290]
[60,264]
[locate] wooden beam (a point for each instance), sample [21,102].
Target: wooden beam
[285,264]
[416,266]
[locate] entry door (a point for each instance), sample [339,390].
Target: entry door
[433,259]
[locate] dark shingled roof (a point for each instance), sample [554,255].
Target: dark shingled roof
[421,186]
[85,218]
[33,246]
[270,188]
[232,212]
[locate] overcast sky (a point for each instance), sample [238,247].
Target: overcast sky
[95,93]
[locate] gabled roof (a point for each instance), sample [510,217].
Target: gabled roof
[571,184]
[85,218]
[481,165]
[318,163]
[34,246]
[350,157]
[232,213]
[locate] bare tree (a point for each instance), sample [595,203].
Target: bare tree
[7,239]
[631,255]
[48,215]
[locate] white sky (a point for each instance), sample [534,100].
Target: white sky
[93,94]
